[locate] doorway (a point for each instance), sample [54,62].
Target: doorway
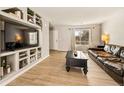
[53,40]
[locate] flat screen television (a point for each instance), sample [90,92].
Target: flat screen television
[18,36]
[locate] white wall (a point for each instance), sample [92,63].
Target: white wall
[64,36]
[45,38]
[60,38]
[114,26]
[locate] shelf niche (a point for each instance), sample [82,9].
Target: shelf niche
[7,65]
[16,12]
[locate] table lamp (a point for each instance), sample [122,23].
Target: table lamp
[105,38]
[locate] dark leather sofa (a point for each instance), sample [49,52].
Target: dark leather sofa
[111,60]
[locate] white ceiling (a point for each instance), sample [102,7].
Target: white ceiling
[76,15]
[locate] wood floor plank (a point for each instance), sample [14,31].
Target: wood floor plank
[52,72]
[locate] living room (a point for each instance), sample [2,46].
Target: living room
[61,46]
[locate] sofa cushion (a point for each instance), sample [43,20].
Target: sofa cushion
[115,66]
[115,59]
[101,59]
[106,55]
[93,53]
[100,53]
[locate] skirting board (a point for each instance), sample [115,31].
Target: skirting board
[17,74]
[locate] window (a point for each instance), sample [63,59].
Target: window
[82,37]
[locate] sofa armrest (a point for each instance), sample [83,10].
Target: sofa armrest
[96,49]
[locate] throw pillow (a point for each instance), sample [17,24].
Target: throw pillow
[122,54]
[107,48]
[116,50]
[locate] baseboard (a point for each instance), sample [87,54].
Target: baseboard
[57,50]
[53,49]
[17,74]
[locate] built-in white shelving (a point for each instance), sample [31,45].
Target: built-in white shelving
[20,60]
[23,58]
[11,18]
[7,53]
[19,63]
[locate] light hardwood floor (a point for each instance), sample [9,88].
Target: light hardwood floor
[51,72]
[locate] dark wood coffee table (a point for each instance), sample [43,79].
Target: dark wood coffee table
[76,61]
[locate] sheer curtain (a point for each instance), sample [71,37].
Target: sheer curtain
[72,39]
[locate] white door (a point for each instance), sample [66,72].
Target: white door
[53,40]
[64,40]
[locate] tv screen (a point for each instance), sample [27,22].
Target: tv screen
[18,36]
